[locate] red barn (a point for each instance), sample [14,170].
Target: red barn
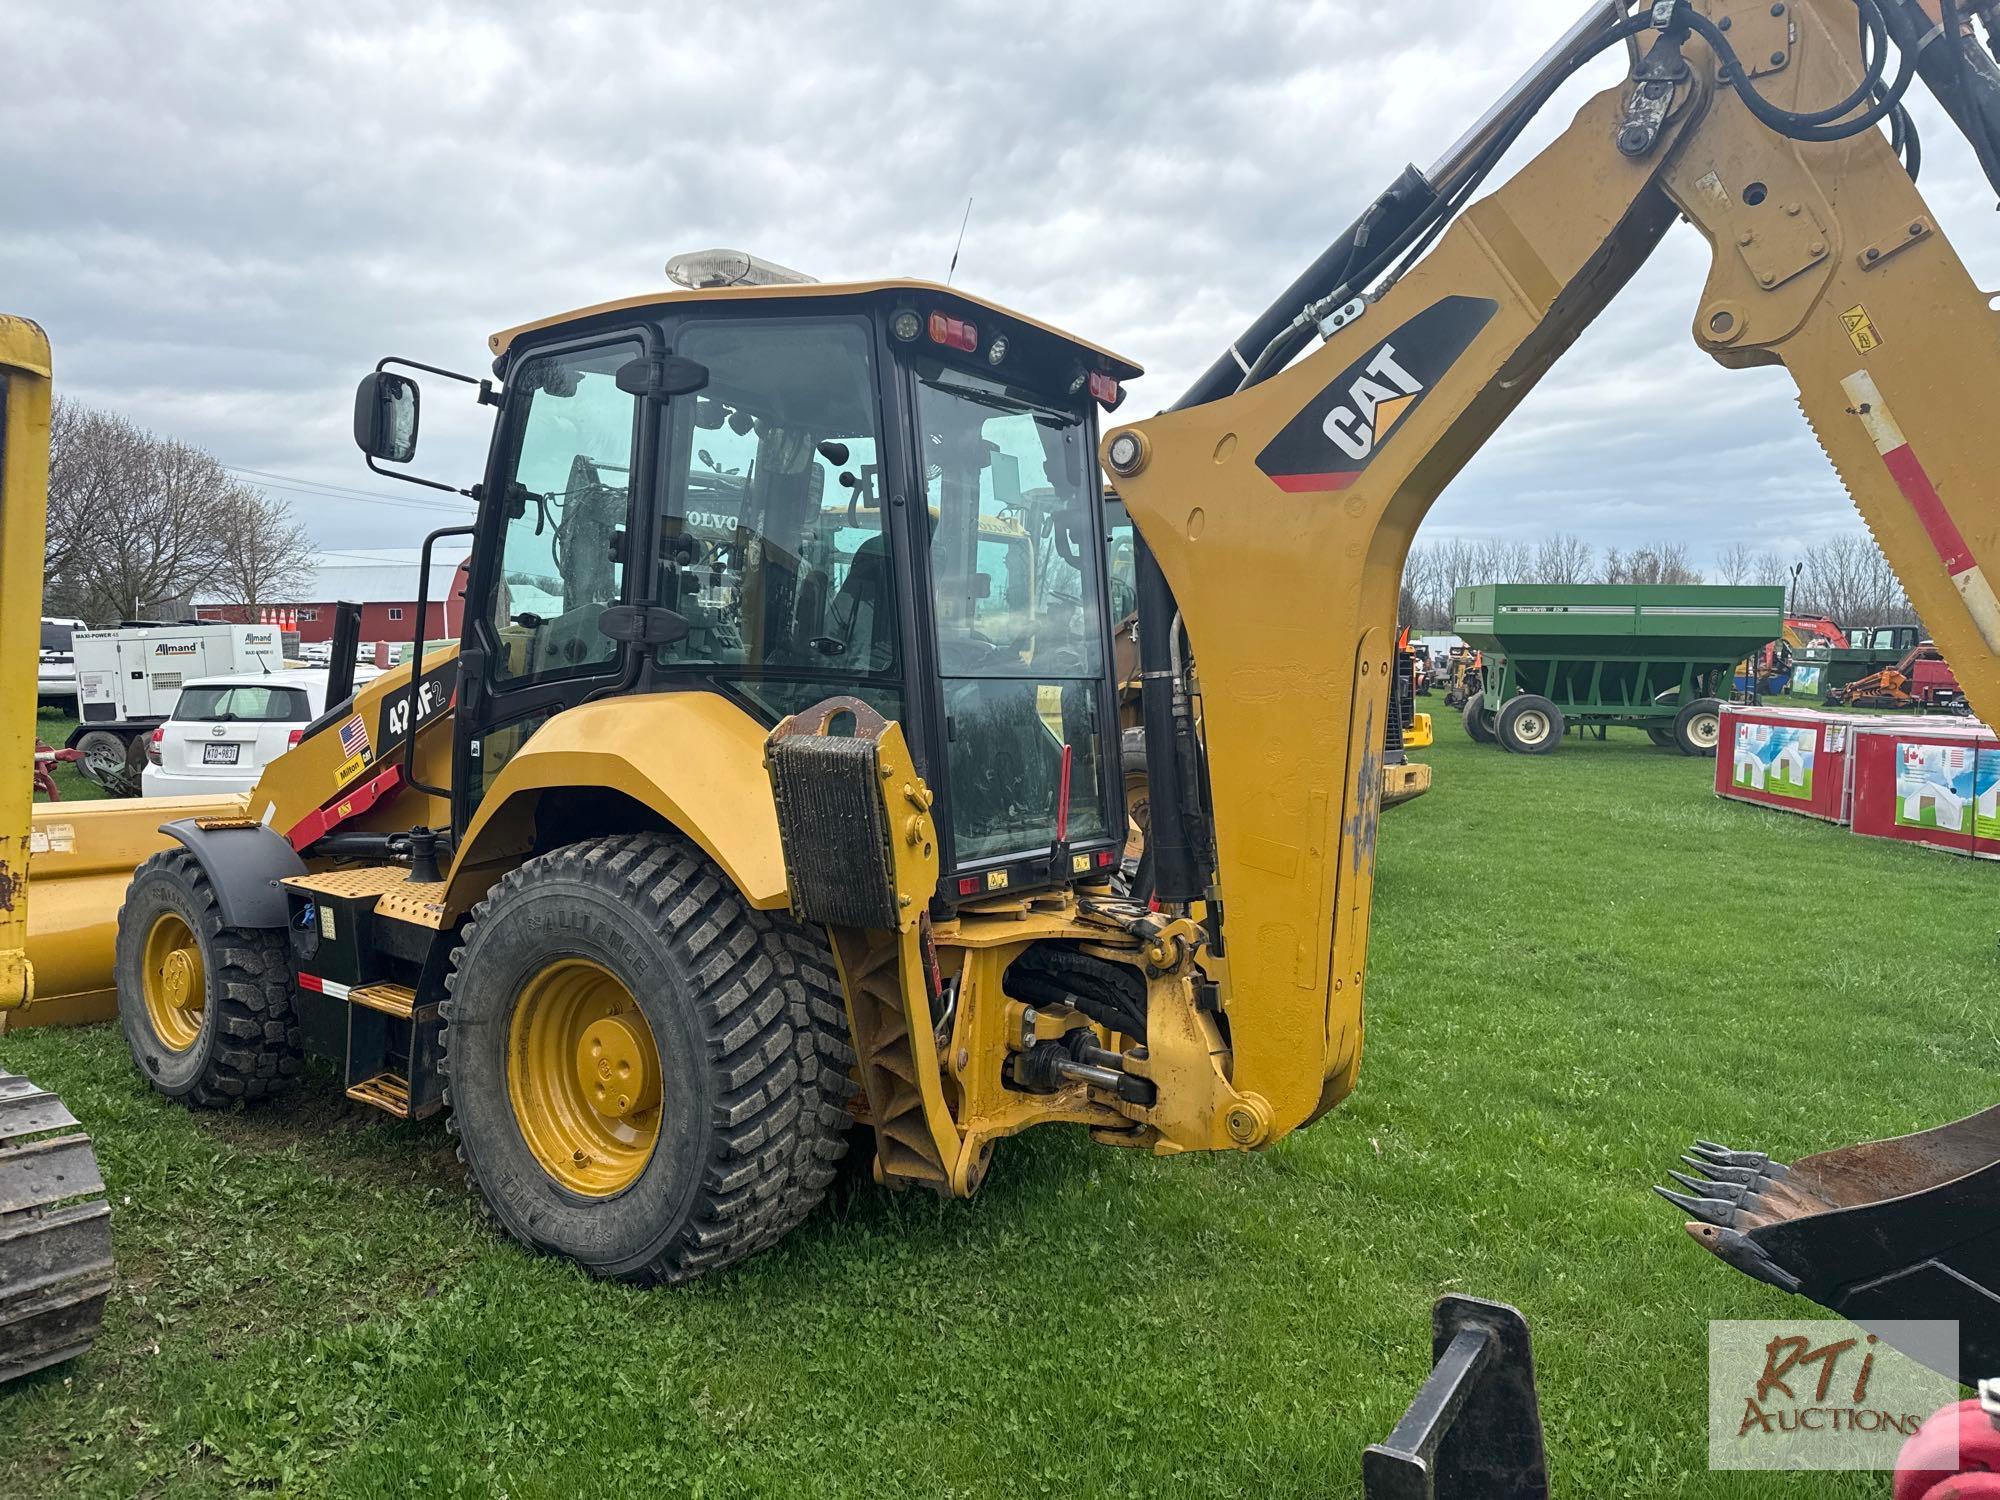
[382,581]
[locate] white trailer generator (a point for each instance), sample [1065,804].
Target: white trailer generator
[129,679]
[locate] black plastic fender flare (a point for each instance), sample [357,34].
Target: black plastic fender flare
[245,862]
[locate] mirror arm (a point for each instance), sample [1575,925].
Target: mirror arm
[429,484]
[488,394]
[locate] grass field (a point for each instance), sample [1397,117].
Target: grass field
[1580,962]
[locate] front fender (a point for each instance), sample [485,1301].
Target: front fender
[693,758]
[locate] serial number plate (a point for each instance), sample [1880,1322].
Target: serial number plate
[220,755]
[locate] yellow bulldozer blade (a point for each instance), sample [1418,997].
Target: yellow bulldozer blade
[81,856]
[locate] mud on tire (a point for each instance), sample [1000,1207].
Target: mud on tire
[247,1046]
[746,1016]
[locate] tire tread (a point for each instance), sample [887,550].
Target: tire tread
[776,1028]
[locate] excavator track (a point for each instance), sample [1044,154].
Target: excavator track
[55,1232]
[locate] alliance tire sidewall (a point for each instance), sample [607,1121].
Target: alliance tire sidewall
[527,929]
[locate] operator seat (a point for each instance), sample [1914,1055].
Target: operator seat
[863,604]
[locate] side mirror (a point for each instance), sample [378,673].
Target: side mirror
[662,378]
[385,417]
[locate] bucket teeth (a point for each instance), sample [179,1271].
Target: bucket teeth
[1708,1210]
[1747,1176]
[1733,1192]
[1713,1155]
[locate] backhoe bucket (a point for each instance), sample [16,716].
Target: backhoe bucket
[1907,1227]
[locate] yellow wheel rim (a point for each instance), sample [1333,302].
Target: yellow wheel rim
[583,1075]
[175,982]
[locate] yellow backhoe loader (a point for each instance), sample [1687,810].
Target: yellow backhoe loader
[693,852]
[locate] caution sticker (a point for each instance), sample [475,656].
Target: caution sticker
[996,880]
[1860,329]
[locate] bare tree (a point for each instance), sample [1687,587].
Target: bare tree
[1420,607]
[262,554]
[1768,568]
[1735,563]
[1848,578]
[138,522]
[1661,562]
[161,545]
[94,459]
[1505,561]
[1562,557]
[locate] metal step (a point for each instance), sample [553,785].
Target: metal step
[389,1092]
[56,1269]
[387,997]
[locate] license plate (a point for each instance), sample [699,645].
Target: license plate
[219,755]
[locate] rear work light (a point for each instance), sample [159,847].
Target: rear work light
[954,333]
[153,744]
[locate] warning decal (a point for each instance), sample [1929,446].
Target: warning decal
[1860,329]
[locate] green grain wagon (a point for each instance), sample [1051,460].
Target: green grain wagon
[1651,656]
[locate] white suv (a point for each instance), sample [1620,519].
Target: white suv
[55,672]
[225,730]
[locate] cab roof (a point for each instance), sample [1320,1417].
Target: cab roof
[1112,363]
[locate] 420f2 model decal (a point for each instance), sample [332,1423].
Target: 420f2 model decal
[1326,446]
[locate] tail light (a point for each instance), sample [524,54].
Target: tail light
[954,333]
[292,739]
[153,744]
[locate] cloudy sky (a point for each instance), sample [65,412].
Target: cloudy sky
[226,212]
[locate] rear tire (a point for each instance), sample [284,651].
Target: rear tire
[107,760]
[1478,722]
[747,1029]
[206,1009]
[1529,725]
[1698,727]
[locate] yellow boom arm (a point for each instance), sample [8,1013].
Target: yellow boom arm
[24,485]
[1825,259]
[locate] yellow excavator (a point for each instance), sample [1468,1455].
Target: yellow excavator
[697,849]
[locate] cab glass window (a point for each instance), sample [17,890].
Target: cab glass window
[773,546]
[1011,493]
[567,499]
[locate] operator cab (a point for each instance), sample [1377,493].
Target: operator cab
[780,491]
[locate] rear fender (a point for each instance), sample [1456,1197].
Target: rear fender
[693,760]
[244,861]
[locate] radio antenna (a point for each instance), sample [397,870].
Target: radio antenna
[961,241]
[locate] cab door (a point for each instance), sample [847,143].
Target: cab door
[557,529]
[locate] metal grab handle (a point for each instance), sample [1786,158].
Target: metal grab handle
[417,657]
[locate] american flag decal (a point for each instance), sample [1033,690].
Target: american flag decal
[354,736]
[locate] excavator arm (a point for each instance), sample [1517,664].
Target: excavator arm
[1312,480]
